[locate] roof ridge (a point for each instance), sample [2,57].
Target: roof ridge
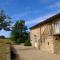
[47,20]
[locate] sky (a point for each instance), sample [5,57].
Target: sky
[32,11]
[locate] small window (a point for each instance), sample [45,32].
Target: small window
[48,43]
[56,38]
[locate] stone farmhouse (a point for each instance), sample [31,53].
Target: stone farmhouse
[46,35]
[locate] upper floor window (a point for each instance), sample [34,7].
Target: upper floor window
[57,27]
[35,36]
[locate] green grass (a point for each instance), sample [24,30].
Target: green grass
[4,49]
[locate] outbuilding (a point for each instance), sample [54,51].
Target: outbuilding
[46,35]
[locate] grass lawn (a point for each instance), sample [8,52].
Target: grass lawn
[3,49]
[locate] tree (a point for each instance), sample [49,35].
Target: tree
[5,21]
[19,32]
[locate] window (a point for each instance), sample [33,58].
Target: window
[35,36]
[57,27]
[48,43]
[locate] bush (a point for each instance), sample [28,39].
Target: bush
[27,43]
[2,37]
[17,41]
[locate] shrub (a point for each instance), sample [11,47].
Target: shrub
[2,37]
[17,41]
[27,43]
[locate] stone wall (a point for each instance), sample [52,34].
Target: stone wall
[49,46]
[43,37]
[35,36]
[57,44]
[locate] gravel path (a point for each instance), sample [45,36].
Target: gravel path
[30,53]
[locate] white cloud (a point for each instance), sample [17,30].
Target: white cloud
[5,33]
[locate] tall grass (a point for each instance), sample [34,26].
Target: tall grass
[4,49]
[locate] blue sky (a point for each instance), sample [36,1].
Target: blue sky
[32,11]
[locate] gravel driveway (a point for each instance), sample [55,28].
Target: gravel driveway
[30,53]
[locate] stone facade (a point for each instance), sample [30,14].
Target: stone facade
[46,36]
[34,34]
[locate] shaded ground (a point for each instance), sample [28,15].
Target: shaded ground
[13,53]
[30,53]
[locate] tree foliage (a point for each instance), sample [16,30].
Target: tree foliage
[27,43]
[19,32]
[5,21]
